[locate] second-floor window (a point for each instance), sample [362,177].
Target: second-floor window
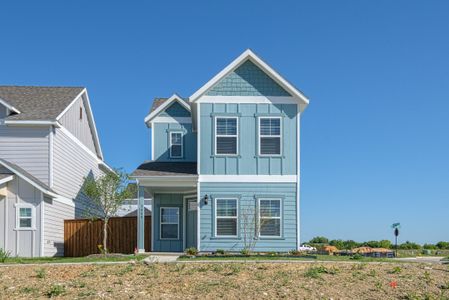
[176,144]
[270,136]
[226,135]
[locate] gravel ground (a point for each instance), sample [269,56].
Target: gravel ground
[228,280]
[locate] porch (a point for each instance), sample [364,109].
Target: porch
[173,190]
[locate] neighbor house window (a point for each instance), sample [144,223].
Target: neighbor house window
[226,217]
[270,217]
[24,216]
[170,223]
[226,135]
[175,144]
[270,136]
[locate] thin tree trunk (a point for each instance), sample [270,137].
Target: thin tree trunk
[105,235]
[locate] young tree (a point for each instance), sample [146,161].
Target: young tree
[107,192]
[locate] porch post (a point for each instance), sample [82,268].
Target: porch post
[141,221]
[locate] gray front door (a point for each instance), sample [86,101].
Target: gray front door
[191,222]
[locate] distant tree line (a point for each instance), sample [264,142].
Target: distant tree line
[350,244]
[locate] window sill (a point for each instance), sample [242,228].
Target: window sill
[228,238]
[226,155]
[264,238]
[25,229]
[269,156]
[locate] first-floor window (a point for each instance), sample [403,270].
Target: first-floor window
[226,217]
[25,217]
[270,217]
[175,144]
[170,223]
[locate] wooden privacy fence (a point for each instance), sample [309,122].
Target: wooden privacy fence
[82,236]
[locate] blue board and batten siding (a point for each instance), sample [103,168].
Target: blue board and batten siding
[247,195]
[248,162]
[162,131]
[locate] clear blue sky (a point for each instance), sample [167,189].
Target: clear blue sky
[375,138]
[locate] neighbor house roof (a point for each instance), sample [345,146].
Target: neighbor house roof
[27,177]
[37,103]
[165,169]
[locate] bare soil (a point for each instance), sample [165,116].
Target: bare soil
[322,280]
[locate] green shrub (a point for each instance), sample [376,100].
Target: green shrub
[295,252]
[245,252]
[319,240]
[220,252]
[430,247]
[192,251]
[443,245]
[356,256]
[4,255]
[409,246]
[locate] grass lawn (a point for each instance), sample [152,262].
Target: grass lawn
[323,280]
[295,258]
[43,260]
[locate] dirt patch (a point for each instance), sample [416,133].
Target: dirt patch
[228,280]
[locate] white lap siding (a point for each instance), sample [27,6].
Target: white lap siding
[54,215]
[24,243]
[71,165]
[28,148]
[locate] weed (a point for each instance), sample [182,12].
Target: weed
[55,290]
[29,290]
[395,270]
[217,268]
[356,256]
[220,252]
[89,273]
[4,255]
[315,272]
[378,285]
[41,273]
[427,277]
[444,286]
[372,273]
[84,294]
[245,252]
[125,270]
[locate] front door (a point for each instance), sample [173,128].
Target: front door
[191,222]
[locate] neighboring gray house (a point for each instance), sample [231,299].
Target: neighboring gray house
[48,145]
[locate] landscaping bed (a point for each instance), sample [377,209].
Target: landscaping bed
[321,280]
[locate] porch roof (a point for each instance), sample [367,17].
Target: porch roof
[158,169]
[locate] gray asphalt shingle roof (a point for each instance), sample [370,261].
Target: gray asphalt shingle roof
[159,101]
[38,103]
[166,169]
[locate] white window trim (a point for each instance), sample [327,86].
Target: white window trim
[221,135]
[270,218]
[182,144]
[33,217]
[261,136]
[226,217]
[160,223]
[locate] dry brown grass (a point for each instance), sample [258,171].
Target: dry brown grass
[227,280]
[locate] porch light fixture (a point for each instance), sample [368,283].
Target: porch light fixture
[206,199]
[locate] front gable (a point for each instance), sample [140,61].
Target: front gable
[175,110]
[247,80]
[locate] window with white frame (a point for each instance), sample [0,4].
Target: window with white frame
[270,136]
[25,215]
[226,135]
[226,217]
[176,144]
[270,217]
[169,223]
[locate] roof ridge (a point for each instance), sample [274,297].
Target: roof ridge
[44,86]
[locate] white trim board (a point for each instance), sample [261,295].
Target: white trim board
[250,55]
[180,120]
[249,178]
[247,99]
[164,105]
[6,179]
[32,122]
[9,106]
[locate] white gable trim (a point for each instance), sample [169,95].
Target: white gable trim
[164,105]
[249,55]
[179,120]
[90,118]
[6,179]
[248,99]
[8,106]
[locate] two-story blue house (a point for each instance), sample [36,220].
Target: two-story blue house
[225,164]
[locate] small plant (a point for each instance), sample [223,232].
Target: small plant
[295,252]
[315,272]
[245,252]
[4,255]
[444,286]
[55,290]
[192,251]
[220,252]
[395,270]
[41,273]
[28,290]
[125,270]
[356,256]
